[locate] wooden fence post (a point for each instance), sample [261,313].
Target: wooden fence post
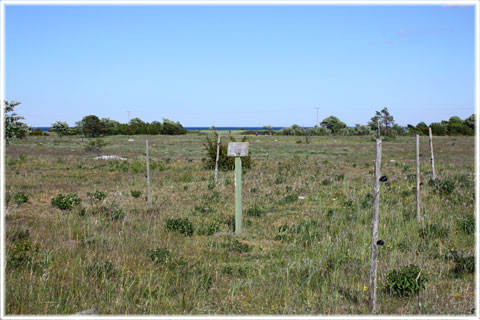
[434,176]
[216,159]
[375,218]
[419,214]
[149,199]
[378,127]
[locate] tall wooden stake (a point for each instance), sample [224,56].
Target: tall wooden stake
[376,214]
[216,159]
[378,127]
[149,199]
[419,215]
[238,196]
[434,176]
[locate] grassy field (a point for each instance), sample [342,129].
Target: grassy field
[301,201]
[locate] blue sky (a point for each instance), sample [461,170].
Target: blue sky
[240,65]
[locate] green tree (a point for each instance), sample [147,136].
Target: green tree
[470,122]
[269,129]
[386,122]
[90,126]
[60,127]
[14,128]
[333,124]
[109,127]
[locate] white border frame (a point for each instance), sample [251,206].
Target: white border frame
[3,3]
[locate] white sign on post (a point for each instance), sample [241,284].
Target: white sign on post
[237,149]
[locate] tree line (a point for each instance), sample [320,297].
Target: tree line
[92,126]
[382,120]
[381,123]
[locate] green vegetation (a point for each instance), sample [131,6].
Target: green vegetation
[14,128]
[66,202]
[306,207]
[406,281]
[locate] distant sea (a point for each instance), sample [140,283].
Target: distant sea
[208,128]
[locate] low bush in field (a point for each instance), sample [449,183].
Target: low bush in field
[406,281]
[237,246]
[97,195]
[22,254]
[21,197]
[66,202]
[95,146]
[135,193]
[255,211]
[442,186]
[183,226]
[463,264]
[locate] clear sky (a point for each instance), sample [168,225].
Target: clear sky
[240,65]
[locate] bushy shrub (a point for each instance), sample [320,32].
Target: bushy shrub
[135,193]
[255,211]
[462,264]
[237,246]
[97,195]
[22,255]
[183,226]
[95,145]
[224,162]
[20,197]
[66,202]
[159,255]
[444,187]
[406,281]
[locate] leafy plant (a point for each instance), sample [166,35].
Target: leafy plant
[20,197]
[135,193]
[22,254]
[159,255]
[183,226]
[462,264]
[95,145]
[444,187]
[66,202]
[237,246]
[406,281]
[255,211]
[97,195]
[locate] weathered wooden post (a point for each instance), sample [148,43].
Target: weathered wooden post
[375,218]
[149,199]
[419,214]
[378,127]
[238,150]
[216,159]
[434,176]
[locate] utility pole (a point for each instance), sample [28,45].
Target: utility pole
[317,116]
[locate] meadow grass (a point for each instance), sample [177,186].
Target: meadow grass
[116,253]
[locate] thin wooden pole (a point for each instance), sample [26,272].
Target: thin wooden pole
[375,218]
[216,159]
[238,196]
[419,215]
[378,127]
[434,176]
[149,199]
